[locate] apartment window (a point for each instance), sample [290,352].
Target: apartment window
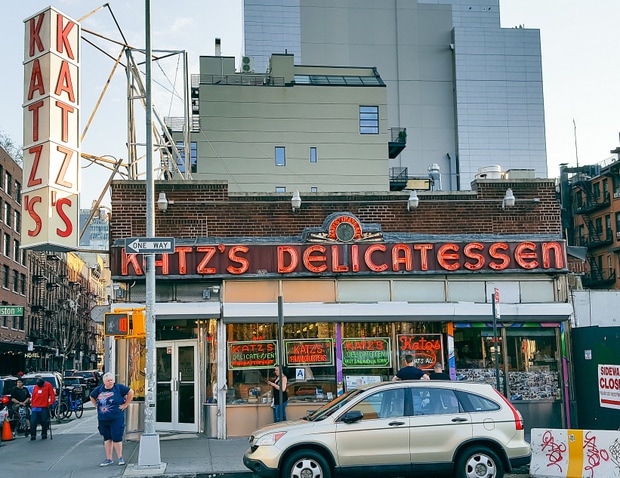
[15,281]
[4,321]
[618,226]
[18,221]
[313,157]
[597,190]
[16,250]
[280,156]
[280,189]
[14,325]
[7,214]
[607,223]
[21,323]
[7,277]
[18,192]
[8,184]
[193,156]
[369,120]
[1,177]
[582,235]
[598,225]
[605,188]
[7,245]
[22,284]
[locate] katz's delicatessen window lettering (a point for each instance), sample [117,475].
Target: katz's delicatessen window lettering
[367,351]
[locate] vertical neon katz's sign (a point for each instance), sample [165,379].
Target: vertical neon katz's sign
[50,208]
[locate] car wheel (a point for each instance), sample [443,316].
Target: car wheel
[478,462]
[306,464]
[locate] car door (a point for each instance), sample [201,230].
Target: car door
[380,438]
[438,425]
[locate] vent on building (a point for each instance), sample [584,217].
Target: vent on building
[247,64]
[617,195]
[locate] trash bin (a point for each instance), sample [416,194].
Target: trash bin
[134,417]
[209,412]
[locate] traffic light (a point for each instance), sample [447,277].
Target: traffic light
[138,323]
[116,324]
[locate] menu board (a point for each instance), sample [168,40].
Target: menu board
[252,354]
[314,352]
[427,349]
[367,352]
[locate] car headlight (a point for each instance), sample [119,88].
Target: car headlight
[269,439]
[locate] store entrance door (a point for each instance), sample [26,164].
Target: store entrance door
[177,386]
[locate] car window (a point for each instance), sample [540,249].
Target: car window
[476,403]
[389,403]
[434,401]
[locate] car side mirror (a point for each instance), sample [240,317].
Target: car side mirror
[352,417]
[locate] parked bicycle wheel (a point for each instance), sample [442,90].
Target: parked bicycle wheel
[79,409]
[63,411]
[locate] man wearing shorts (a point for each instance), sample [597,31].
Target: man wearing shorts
[111,399]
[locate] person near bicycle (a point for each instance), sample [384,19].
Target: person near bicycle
[20,397]
[43,397]
[111,399]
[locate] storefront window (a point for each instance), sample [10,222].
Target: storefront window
[527,354]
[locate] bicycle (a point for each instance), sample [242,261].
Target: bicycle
[71,402]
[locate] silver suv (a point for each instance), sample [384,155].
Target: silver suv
[406,428]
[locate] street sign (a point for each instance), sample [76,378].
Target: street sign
[116,324]
[12,310]
[149,245]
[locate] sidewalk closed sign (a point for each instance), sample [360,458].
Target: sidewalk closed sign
[609,386]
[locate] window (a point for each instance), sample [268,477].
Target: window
[22,284]
[280,189]
[4,321]
[7,245]
[15,281]
[387,404]
[280,156]
[8,184]
[597,190]
[7,214]
[14,325]
[598,225]
[18,192]
[18,221]
[369,120]
[476,403]
[605,188]
[21,323]
[193,156]
[617,225]
[16,251]
[313,154]
[7,276]
[429,401]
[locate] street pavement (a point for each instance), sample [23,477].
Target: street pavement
[76,449]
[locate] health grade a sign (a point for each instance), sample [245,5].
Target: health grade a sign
[51,137]
[609,386]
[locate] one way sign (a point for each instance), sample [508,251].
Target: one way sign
[149,245]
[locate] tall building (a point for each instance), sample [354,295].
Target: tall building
[468,92]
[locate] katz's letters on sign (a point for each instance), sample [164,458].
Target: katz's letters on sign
[51,136]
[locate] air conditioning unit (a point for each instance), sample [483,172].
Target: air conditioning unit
[617,195]
[618,235]
[247,64]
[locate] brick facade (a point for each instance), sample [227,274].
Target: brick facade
[205,209]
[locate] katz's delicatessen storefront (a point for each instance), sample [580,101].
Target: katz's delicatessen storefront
[355,302]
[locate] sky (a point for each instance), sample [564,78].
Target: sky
[580,52]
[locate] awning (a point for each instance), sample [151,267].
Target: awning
[394,311]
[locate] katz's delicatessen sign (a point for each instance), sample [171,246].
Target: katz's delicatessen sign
[51,134]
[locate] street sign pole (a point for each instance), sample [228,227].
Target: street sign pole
[496,316]
[149,453]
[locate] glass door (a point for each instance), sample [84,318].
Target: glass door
[177,386]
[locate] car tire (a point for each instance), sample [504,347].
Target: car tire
[478,462]
[306,464]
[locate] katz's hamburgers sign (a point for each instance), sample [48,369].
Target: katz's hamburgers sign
[407,258]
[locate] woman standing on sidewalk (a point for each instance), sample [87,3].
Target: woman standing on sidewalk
[279,410]
[111,399]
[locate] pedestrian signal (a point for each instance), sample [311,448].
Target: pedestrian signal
[116,324]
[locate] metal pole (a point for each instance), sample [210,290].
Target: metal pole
[495,302]
[149,454]
[280,351]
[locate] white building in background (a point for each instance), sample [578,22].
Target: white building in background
[468,92]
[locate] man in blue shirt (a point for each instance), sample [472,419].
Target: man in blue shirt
[410,371]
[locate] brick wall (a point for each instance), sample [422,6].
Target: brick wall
[205,209]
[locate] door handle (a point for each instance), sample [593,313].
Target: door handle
[174,385]
[459,419]
[396,424]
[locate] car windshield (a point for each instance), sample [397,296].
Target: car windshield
[336,404]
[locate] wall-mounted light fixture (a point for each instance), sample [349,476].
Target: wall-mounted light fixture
[413,200]
[296,202]
[162,202]
[509,199]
